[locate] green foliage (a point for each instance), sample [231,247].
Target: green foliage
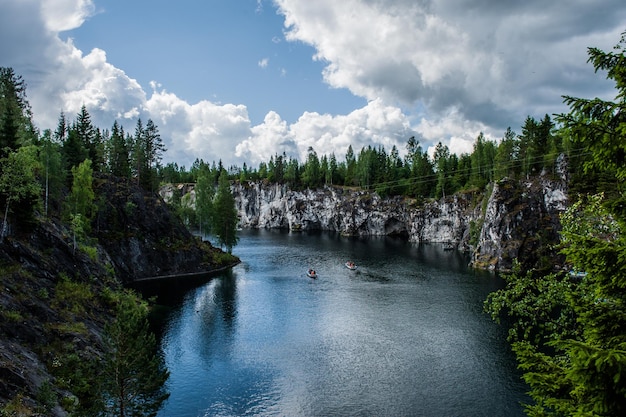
[223,259]
[119,154]
[505,157]
[71,296]
[599,125]
[82,196]
[53,175]
[537,308]
[19,188]
[225,215]
[46,397]
[43,293]
[312,174]
[146,151]
[12,316]
[205,192]
[474,231]
[129,208]
[77,372]
[16,126]
[91,251]
[569,330]
[16,407]
[80,204]
[133,373]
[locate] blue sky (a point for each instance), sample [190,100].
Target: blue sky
[242,80]
[222,50]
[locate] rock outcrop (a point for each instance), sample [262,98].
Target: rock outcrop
[352,212]
[513,220]
[55,294]
[142,236]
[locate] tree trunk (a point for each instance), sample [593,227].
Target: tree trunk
[4,222]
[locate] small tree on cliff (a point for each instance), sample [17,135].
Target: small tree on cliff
[225,214]
[205,191]
[19,189]
[79,202]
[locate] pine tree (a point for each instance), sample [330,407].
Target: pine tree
[205,192]
[134,373]
[90,138]
[16,126]
[351,179]
[311,176]
[147,151]
[74,151]
[119,156]
[441,157]
[505,159]
[60,134]
[225,214]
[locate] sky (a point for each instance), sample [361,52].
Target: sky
[243,80]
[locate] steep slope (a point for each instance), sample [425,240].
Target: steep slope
[55,296]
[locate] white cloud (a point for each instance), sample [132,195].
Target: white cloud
[467,65]
[493,62]
[375,124]
[61,15]
[265,140]
[204,130]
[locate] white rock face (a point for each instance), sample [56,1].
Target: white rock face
[352,213]
[519,220]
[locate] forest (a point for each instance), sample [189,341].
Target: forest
[417,174]
[568,330]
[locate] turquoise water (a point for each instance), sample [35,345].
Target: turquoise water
[403,335]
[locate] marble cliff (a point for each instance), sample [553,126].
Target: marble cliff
[510,220]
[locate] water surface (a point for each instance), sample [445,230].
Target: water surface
[403,335]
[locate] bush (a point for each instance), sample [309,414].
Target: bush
[72,296]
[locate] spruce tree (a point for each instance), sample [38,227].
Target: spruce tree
[225,214]
[16,126]
[74,151]
[133,372]
[205,192]
[119,158]
[90,138]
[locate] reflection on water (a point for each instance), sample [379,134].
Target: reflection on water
[403,335]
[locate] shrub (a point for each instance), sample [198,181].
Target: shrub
[72,296]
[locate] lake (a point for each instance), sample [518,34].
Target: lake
[402,335]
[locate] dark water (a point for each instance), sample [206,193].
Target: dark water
[403,335]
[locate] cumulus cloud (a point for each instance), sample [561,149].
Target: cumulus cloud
[376,124]
[61,15]
[440,70]
[492,62]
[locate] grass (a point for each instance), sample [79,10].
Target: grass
[13,316]
[72,296]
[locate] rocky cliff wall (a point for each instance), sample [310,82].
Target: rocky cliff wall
[512,220]
[352,212]
[55,298]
